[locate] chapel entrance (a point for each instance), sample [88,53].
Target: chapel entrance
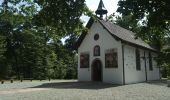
[97,70]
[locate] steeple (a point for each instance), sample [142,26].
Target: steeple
[101,10]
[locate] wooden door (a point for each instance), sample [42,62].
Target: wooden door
[97,70]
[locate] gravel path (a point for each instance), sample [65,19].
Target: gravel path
[72,90]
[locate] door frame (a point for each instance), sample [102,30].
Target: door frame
[97,59]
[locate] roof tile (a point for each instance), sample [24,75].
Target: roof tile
[124,34]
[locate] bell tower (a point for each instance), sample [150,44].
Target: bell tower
[101,10]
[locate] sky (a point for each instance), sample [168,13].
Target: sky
[110,5]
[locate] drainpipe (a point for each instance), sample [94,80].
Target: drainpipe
[123,64]
[145,67]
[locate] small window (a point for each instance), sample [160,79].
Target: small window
[150,62]
[96,37]
[138,66]
[84,60]
[111,59]
[96,51]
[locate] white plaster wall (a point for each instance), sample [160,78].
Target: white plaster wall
[152,74]
[106,41]
[131,74]
[134,76]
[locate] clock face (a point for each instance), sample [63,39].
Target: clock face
[96,36]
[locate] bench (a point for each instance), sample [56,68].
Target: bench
[26,79]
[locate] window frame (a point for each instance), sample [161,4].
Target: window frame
[86,57]
[113,52]
[94,50]
[96,37]
[150,62]
[138,62]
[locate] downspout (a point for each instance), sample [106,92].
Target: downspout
[160,75]
[145,67]
[123,64]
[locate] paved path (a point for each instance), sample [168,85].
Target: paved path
[72,90]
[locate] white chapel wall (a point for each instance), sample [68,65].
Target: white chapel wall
[106,41]
[131,74]
[152,74]
[134,76]
[115,75]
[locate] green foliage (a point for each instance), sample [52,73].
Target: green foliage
[30,38]
[154,17]
[165,58]
[2,58]
[129,23]
[157,12]
[64,15]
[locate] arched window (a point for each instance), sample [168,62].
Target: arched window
[96,50]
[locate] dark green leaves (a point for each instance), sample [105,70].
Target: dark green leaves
[62,14]
[30,38]
[156,18]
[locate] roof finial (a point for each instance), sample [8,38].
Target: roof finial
[101,10]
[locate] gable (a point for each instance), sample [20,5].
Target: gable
[89,25]
[117,33]
[105,39]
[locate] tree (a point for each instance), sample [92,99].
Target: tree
[129,23]
[155,18]
[3,69]
[15,20]
[156,12]
[64,15]
[30,38]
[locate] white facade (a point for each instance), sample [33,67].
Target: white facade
[145,74]
[124,74]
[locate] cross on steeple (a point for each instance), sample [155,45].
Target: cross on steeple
[101,10]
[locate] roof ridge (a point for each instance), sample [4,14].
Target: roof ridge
[124,34]
[115,30]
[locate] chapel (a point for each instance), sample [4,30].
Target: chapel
[112,54]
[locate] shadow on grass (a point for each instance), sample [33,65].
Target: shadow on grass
[158,82]
[76,85]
